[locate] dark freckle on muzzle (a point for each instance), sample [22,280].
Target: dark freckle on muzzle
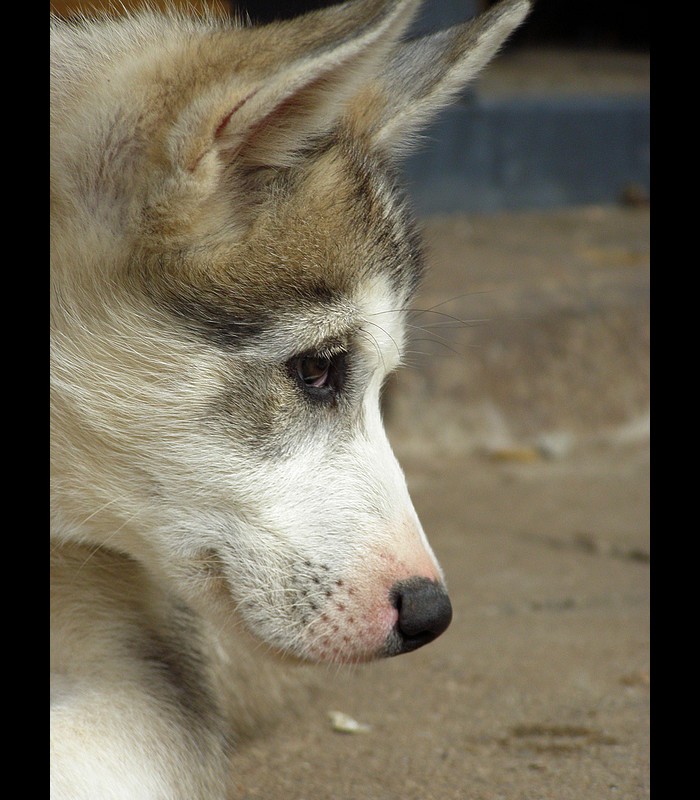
[424,610]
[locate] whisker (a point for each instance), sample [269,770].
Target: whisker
[438,353]
[437,338]
[456,323]
[459,320]
[386,333]
[368,336]
[458,297]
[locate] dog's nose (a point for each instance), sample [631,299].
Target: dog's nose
[424,610]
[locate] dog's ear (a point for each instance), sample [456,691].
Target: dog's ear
[423,75]
[282,84]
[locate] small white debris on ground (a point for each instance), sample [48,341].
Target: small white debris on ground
[342,723]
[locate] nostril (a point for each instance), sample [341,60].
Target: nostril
[424,611]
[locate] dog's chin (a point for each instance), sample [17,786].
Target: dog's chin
[333,654]
[292,658]
[314,645]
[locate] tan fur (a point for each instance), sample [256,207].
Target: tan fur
[226,227]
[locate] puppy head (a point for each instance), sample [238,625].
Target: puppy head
[232,264]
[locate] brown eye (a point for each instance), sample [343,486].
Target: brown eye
[314,370]
[321,375]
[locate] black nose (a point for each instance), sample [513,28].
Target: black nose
[424,610]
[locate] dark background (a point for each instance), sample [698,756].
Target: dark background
[614,23]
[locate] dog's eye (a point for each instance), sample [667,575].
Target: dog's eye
[314,370]
[320,375]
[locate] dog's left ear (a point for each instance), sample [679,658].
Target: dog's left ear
[424,75]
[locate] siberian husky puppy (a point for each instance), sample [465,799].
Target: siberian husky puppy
[232,261]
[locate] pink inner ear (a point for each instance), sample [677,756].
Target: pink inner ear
[225,121]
